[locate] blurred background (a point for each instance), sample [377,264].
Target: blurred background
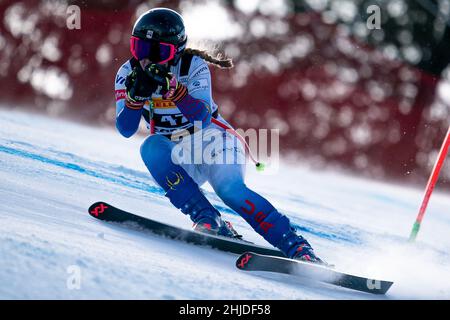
[372,102]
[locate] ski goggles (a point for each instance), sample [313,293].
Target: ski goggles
[156,52]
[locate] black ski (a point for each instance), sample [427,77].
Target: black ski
[251,261]
[106,212]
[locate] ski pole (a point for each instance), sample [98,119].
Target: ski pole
[430,186]
[259,165]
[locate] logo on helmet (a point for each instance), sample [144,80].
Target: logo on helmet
[149,34]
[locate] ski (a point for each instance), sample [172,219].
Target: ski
[251,261]
[106,212]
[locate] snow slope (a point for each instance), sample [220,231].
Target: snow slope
[52,170]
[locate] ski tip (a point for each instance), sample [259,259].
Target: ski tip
[243,260]
[378,286]
[97,208]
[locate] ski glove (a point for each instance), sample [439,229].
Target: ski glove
[171,88]
[139,88]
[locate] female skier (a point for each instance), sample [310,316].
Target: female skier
[170,87]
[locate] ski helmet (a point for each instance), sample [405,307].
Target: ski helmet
[159,34]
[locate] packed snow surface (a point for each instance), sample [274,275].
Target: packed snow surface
[50,248]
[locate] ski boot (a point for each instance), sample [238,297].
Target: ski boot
[221,228]
[305,252]
[296,247]
[206,218]
[187,196]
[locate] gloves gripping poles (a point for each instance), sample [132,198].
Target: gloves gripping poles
[430,186]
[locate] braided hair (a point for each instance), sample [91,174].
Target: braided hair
[218,60]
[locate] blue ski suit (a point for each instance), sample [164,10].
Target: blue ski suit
[173,163]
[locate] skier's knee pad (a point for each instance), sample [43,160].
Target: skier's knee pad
[156,146]
[156,152]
